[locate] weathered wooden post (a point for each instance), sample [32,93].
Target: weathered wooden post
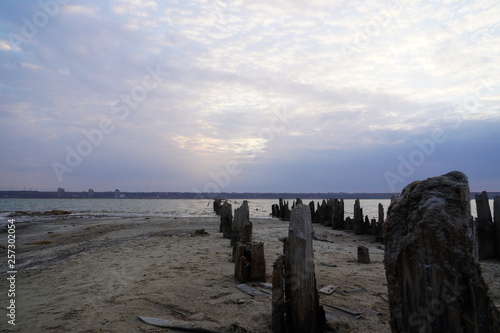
[380,223]
[366,226]
[286,212]
[358,218]
[322,213]
[434,282]
[485,227]
[257,262]
[303,312]
[338,214]
[217,205]
[313,213]
[242,227]
[496,211]
[226,220]
[282,210]
[248,256]
[242,265]
[278,297]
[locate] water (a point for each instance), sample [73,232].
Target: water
[259,208]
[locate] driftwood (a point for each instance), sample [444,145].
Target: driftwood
[174,325]
[251,290]
[434,281]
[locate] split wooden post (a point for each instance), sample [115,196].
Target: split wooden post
[303,312]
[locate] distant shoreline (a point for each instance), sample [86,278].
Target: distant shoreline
[194,195]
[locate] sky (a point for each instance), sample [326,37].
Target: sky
[248,96]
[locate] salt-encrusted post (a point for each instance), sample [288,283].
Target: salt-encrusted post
[303,312]
[496,211]
[485,228]
[434,282]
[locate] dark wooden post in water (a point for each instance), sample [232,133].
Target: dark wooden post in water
[496,211]
[434,282]
[485,227]
[217,206]
[303,312]
[313,213]
[358,218]
[338,214]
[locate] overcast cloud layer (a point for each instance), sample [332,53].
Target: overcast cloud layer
[261,96]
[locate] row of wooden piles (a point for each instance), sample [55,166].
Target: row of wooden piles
[331,213]
[295,299]
[248,256]
[431,260]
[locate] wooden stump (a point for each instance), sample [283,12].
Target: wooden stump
[303,312]
[363,255]
[257,263]
[434,282]
[278,297]
[242,266]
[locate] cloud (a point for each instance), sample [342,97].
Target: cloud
[330,87]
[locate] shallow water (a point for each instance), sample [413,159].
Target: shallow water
[259,208]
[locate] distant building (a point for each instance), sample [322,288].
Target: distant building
[91,193]
[117,193]
[60,192]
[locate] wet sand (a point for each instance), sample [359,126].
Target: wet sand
[98,275]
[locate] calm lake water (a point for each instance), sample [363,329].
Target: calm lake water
[259,208]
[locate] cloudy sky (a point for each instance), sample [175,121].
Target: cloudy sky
[258,96]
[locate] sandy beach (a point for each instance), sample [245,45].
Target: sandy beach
[100,274]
